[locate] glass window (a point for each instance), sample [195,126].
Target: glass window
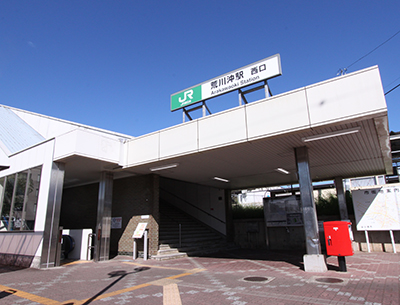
[18,200]
[7,200]
[31,196]
[2,183]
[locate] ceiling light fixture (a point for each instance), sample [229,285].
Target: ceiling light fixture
[221,179]
[162,167]
[282,171]
[331,134]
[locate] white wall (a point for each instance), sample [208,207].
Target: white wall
[20,244]
[89,144]
[81,238]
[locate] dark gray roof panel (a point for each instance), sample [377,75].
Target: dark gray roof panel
[16,134]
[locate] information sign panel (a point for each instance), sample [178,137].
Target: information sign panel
[261,70]
[116,222]
[377,208]
[141,227]
[283,211]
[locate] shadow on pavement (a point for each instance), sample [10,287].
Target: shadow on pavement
[5,269]
[292,257]
[120,274]
[6,293]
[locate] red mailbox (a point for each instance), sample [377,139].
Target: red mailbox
[337,238]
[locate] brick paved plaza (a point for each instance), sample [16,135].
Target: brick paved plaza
[239,278]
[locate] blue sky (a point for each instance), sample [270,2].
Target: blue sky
[114,64]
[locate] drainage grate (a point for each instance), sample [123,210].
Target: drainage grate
[255,279]
[329,280]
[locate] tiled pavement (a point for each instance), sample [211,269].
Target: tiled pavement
[239,278]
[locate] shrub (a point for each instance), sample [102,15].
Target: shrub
[330,206]
[326,206]
[249,211]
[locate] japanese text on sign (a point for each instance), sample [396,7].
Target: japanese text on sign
[253,73]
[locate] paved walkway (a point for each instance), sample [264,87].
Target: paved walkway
[242,277]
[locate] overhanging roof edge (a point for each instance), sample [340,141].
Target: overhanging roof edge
[382,129]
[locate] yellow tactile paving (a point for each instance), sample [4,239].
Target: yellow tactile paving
[29,296]
[170,291]
[171,295]
[164,282]
[111,294]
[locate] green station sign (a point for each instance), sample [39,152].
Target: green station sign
[186,98]
[261,70]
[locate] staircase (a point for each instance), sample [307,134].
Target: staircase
[195,238]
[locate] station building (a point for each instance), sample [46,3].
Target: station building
[55,173]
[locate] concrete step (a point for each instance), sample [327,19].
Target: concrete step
[162,257]
[196,238]
[192,247]
[169,235]
[193,250]
[188,226]
[199,239]
[167,251]
[210,250]
[185,247]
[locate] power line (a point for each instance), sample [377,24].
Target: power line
[373,49]
[393,81]
[344,70]
[392,89]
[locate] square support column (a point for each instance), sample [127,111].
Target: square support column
[103,226]
[51,236]
[341,198]
[314,261]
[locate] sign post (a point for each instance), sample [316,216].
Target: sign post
[139,232]
[256,72]
[377,209]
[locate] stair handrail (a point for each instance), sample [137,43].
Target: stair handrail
[179,226]
[169,217]
[192,205]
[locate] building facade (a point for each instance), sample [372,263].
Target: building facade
[55,173]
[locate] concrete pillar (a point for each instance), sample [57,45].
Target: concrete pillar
[341,198]
[103,225]
[313,260]
[51,236]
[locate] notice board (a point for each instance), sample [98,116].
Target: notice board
[283,211]
[377,208]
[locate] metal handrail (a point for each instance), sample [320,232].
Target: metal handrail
[180,236]
[192,205]
[179,225]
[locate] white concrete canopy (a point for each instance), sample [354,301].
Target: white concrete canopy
[246,145]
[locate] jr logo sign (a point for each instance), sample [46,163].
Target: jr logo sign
[185,98]
[186,95]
